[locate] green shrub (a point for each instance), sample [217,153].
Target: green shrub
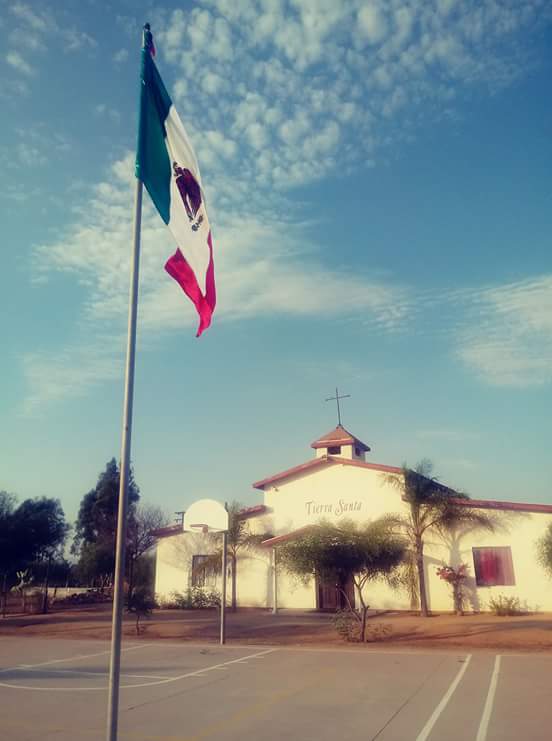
[194,599]
[177,601]
[141,604]
[346,625]
[378,632]
[503,605]
[200,599]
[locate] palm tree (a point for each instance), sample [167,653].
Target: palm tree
[240,539]
[432,507]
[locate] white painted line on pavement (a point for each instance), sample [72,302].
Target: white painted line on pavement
[78,657]
[426,730]
[196,673]
[488,709]
[100,674]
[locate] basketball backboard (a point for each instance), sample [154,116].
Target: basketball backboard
[206,515]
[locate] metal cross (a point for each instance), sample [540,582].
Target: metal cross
[336,398]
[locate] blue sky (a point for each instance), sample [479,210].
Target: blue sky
[378,182]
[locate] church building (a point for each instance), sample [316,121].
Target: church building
[339,482]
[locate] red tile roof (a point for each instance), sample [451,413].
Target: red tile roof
[255,511]
[278,539]
[339,436]
[166,532]
[507,506]
[323,460]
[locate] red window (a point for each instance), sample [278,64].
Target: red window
[493,567]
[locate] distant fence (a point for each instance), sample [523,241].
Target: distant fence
[17,603]
[31,601]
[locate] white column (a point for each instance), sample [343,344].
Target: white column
[274,582]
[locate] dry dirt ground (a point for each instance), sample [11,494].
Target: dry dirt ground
[293,628]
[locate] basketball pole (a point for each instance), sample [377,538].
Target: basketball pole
[224,575]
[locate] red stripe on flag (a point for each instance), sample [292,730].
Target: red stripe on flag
[178,268]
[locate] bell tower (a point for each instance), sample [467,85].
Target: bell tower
[340,443]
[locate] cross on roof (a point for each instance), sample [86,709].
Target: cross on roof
[336,398]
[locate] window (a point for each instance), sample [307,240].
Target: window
[358,451]
[334,450]
[200,577]
[493,567]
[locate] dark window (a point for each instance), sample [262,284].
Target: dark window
[200,577]
[493,567]
[334,450]
[357,451]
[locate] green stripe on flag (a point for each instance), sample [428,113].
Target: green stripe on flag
[153,166]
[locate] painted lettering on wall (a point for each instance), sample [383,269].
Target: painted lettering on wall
[337,509]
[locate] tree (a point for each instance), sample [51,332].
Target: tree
[364,553]
[33,531]
[96,526]
[31,534]
[42,523]
[140,538]
[9,547]
[544,550]
[432,507]
[240,540]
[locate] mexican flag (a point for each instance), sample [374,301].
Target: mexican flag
[167,165]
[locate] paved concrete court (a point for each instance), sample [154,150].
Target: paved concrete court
[56,689]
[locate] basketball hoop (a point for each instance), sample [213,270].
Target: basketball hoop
[206,515]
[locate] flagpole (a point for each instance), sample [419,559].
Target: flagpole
[118,594]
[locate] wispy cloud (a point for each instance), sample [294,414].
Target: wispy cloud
[95,250]
[15,60]
[33,31]
[280,95]
[307,89]
[104,111]
[508,341]
[447,434]
[120,56]
[35,145]
[71,372]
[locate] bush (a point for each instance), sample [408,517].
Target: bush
[503,605]
[378,632]
[141,604]
[348,626]
[455,578]
[195,598]
[90,597]
[178,601]
[202,599]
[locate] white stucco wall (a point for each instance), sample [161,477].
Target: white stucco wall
[335,492]
[519,531]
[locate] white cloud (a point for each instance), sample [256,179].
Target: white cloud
[120,56]
[25,38]
[35,145]
[283,279]
[279,93]
[510,340]
[273,73]
[32,19]
[213,83]
[35,31]
[71,372]
[372,23]
[104,111]
[15,60]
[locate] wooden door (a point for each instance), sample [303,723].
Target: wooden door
[331,597]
